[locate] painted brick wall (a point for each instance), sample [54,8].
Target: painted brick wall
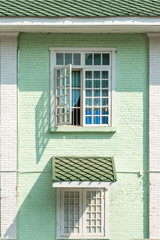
[154,136]
[8,136]
[128,202]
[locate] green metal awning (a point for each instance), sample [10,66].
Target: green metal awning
[83,169]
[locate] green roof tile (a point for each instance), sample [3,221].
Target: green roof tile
[83,169]
[79,8]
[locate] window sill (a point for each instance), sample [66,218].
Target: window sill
[82,129]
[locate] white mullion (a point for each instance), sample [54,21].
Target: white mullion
[70,94]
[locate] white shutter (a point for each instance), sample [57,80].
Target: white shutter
[63,95]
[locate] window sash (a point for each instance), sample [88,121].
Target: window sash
[92,89]
[85,233]
[62,213]
[64,117]
[82,213]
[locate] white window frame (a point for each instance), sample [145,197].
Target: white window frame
[82,235]
[111,69]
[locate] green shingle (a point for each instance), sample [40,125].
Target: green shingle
[83,169]
[79,8]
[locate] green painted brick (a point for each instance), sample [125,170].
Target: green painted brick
[128,202]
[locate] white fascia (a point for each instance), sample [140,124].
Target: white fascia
[83,184]
[81,24]
[42,21]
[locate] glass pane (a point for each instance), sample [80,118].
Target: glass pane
[88,222]
[76,59]
[88,120]
[96,120]
[104,83]
[68,58]
[88,111]
[88,93]
[99,208]
[88,58]
[104,74]
[75,97]
[77,194]
[88,83]
[98,222]
[88,229]
[58,92]
[96,93]
[58,82]
[63,81]
[88,74]
[93,222]
[88,101]
[105,120]
[96,74]
[96,83]
[59,58]
[104,101]
[98,229]
[58,110]
[97,59]
[105,93]
[93,229]
[76,78]
[67,80]
[58,73]
[96,101]
[96,111]
[105,59]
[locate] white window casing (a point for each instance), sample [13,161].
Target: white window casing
[110,68]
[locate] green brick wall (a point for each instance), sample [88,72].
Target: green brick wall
[128,202]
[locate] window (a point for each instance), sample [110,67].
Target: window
[81,213]
[82,87]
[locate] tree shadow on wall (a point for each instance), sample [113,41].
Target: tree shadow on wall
[36,216]
[42,124]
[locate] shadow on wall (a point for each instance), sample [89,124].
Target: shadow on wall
[37,213]
[42,126]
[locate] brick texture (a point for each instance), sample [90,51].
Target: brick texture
[8,136]
[128,202]
[154,137]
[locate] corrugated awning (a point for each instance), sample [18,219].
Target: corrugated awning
[83,169]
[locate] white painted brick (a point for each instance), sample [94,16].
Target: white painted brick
[154,137]
[8,136]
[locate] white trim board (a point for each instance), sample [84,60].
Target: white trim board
[84,184]
[81,25]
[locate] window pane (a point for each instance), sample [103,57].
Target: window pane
[96,111]
[104,83]
[105,93]
[88,111]
[96,93]
[105,120]
[88,93]
[68,58]
[76,59]
[104,111]
[104,74]
[76,77]
[97,59]
[88,74]
[88,120]
[59,58]
[96,83]
[96,101]
[88,58]
[88,84]
[105,59]
[96,120]
[88,101]
[96,74]
[104,101]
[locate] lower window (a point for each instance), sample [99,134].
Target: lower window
[81,213]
